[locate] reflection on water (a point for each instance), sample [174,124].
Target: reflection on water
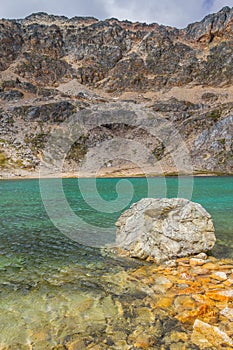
[56,293]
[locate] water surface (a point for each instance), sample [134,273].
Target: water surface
[51,285]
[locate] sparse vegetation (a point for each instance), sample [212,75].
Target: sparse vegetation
[36,142]
[78,150]
[3,160]
[158,152]
[215,114]
[222,141]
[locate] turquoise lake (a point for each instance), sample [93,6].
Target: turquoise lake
[27,232]
[41,268]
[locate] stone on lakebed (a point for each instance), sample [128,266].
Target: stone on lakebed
[164,229]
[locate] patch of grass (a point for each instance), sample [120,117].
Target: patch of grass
[36,142]
[215,114]
[158,152]
[78,150]
[3,159]
[222,141]
[19,163]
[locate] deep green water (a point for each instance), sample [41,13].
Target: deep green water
[38,262]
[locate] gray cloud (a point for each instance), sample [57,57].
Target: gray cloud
[177,13]
[70,8]
[218,4]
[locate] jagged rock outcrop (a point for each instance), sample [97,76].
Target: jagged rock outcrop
[52,67]
[216,146]
[164,229]
[212,27]
[153,138]
[118,55]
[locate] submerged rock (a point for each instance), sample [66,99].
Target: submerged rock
[164,229]
[207,336]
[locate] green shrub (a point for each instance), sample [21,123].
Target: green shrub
[215,114]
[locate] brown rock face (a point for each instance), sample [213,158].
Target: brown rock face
[11,43]
[119,55]
[181,76]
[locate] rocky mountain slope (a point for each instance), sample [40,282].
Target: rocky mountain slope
[52,67]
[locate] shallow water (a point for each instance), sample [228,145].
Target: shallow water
[53,289]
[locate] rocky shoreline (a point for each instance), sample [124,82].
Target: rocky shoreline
[35,175]
[199,294]
[185,304]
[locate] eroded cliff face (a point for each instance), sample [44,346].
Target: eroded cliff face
[53,67]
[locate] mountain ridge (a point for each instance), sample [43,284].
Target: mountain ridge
[48,17]
[98,53]
[58,66]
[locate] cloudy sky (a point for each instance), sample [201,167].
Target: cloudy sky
[170,12]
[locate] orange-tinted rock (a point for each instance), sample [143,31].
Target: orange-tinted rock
[200,271]
[200,298]
[211,266]
[206,336]
[145,314]
[204,311]
[120,309]
[228,282]
[164,302]
[226,266]
[204,280]
[76,345]
[194,297]
[141,272]
[177,336]
[223,295]
[219,276]
[142,341]
[186,276]
[197,262]
[228,313]
[184,302]
[183,262]
[177,346]
[215,285]
[171,263]
[202,256]
[162,284]
[191,288]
